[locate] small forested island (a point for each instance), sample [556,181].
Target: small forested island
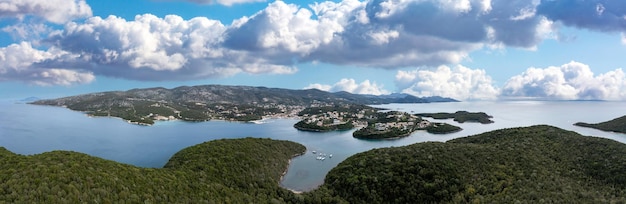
[517,165]
[372,123]
[217,102]
[615,125]
[461,116]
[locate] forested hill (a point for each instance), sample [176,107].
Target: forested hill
[221,171]
[201,103]
[242,95]
[539,164]
[614,125]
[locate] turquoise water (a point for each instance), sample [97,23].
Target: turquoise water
[29,129]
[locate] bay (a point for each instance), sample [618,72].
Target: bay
[29,129]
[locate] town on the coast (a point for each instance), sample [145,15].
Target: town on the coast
[371,123]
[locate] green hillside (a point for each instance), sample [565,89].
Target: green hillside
[222,171]
[615,125]
[539,164]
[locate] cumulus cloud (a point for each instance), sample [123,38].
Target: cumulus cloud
[351,86]
[599,15]
[27,32]
[377,33]
[571,81]
[385,33]
[18,62]
[460,83]
[55,11]
[153,48]
[223,2]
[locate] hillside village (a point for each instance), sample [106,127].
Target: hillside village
[370,122]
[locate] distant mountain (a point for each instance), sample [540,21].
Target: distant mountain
[200,103]
[30,99]
[245,95]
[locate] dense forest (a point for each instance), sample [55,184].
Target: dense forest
[442,128]
[539,164]
[529,165]
[221,171]
[615,125]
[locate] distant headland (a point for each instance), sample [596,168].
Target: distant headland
[217,102]
[615,125]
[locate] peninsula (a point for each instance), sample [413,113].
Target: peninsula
[372,123]
[615,125]
[217,102]
[461,116]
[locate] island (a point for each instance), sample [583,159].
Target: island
[461,116]
[217,102]
[372,123]
[391,124]
[514,165]
[615,125]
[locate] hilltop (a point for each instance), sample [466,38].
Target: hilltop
[208,102]
[238,171]
[615,125]
[528,165]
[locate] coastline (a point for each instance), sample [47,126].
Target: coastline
[127,121]
[282,176]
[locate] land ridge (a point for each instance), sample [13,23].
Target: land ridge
[615,125]
[221,102]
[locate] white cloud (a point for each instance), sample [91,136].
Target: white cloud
[55,11]
[153,48]
[64,77]
[286,30]
[460,83]
[18,57]
[323,87]
[223,2]
[388,34]
[26,31]
[571,81]
[598,15]
[18,62]
[351,86]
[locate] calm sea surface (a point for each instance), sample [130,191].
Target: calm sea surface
[29,129]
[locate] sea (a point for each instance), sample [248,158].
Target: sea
[32,129]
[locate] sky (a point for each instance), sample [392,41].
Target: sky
[463,49]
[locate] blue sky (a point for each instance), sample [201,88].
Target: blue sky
[464,49]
